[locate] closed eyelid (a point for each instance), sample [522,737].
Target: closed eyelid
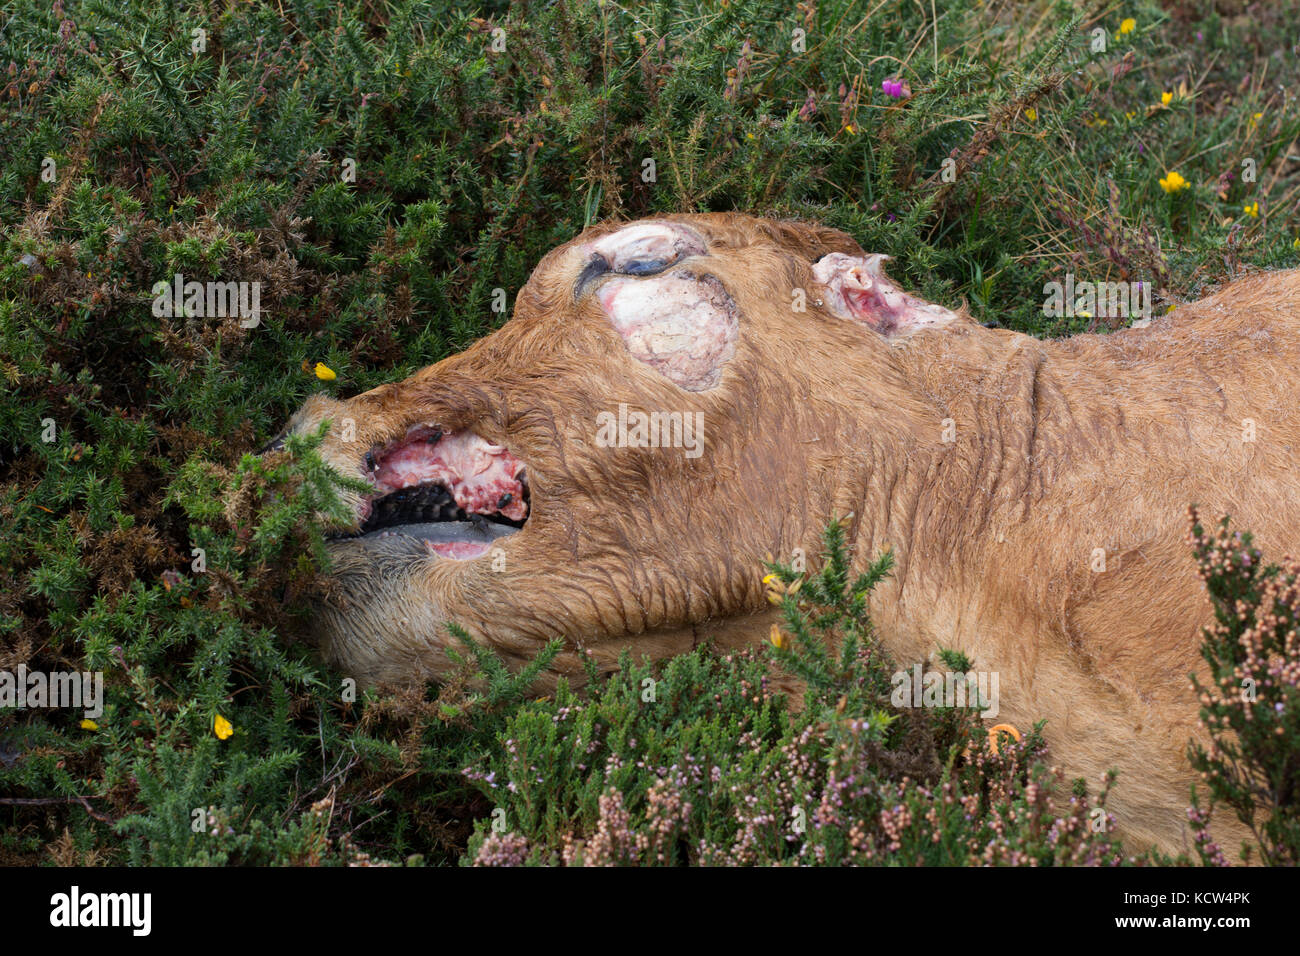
[645,249]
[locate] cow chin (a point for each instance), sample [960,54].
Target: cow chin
[369,624]
[384,618]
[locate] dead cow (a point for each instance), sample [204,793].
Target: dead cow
[675,399]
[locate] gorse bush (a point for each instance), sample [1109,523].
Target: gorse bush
[380,170]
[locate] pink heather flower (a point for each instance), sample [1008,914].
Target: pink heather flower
[898,89]
[809,108]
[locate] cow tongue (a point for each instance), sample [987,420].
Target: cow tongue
[446,539]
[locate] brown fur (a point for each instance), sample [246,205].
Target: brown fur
[1061,447]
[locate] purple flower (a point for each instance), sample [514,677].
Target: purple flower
[898,89]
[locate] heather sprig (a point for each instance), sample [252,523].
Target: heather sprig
[702,762]
[1250,701]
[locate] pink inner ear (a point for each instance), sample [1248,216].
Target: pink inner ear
[858,289]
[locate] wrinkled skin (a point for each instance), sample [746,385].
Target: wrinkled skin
[1056,448]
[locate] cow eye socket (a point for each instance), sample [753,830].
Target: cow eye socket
[598,266]
[593,270]
[644,267]
[645,249]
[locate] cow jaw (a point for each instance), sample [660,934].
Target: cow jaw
[453,491]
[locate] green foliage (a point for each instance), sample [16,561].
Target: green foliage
[810,656]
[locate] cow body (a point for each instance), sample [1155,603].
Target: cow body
[996,466]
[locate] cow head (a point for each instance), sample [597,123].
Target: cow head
[672,400]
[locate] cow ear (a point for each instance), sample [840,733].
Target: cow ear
[856,287]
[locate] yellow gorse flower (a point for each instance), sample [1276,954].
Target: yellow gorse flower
[325,373]
[1251,210]
[776,637]
[1173,182]
[222,727]
[1166,98]
[1127,25]
[776,590]
[1031,114]
[89,724]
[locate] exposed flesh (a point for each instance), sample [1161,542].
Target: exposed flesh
[478,474]
[682,325]
[441,488]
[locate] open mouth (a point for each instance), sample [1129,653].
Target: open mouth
[454,492]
